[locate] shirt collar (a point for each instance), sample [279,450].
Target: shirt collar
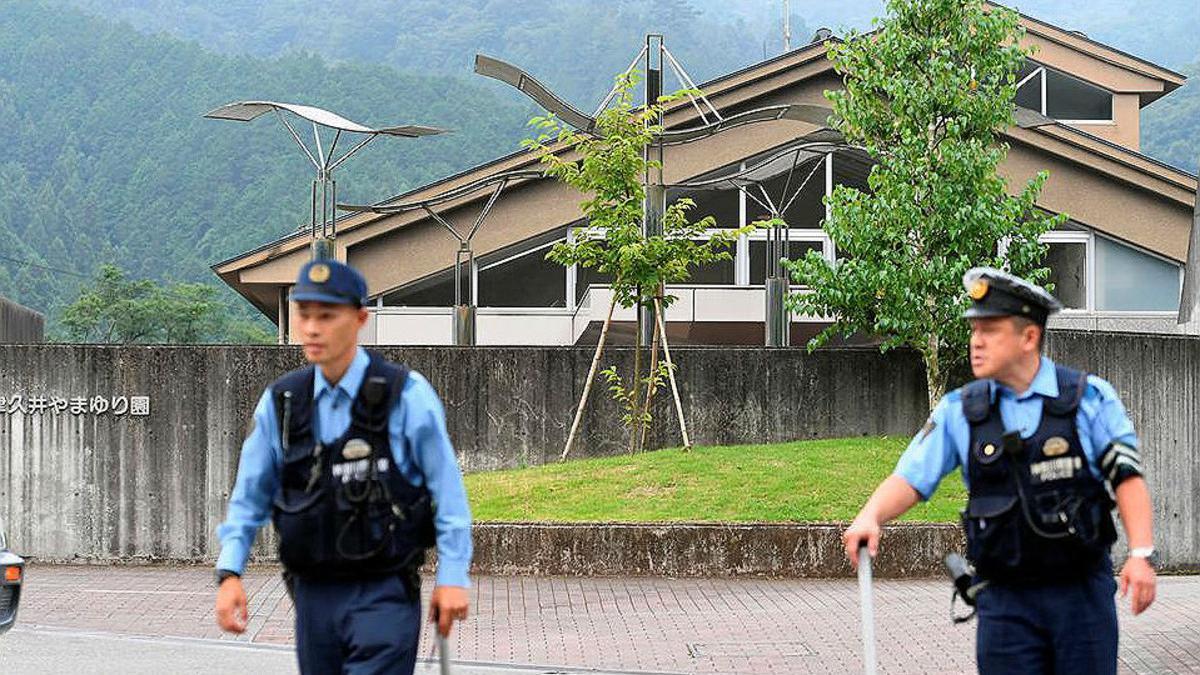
[351,380]
[1045,382]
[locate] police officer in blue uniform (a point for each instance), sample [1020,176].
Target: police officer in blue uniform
[350,459]
[1045,451]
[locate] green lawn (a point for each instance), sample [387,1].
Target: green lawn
[805,481]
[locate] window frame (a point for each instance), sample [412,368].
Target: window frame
[1089,261]
[1040,73]
[1087,237]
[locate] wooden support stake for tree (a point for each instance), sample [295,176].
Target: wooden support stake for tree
[687,444]
[587,386]
[650,380]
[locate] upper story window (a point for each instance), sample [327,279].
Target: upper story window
[1057,95]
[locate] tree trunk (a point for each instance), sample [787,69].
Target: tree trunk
[935,376]
[587,385]
[635,427]
[650,385]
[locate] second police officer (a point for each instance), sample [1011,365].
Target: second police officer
[350,458]
[1044,451]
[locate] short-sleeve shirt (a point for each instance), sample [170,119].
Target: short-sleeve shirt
[941,445]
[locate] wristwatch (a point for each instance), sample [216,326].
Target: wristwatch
[1148,553]
[222,575]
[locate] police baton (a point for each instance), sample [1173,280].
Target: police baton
[444,653]
[868,608]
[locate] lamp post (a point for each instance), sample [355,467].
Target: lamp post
[323,223]
[789,163]
[464,259]
[655,59]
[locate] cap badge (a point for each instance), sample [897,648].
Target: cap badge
[978,290]
[319,273]
[1055,446]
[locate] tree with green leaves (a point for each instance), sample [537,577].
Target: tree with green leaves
[120,310]
[926,94]
[608,167]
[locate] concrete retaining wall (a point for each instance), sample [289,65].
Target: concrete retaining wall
[1158,378]
[84,477]
[703,550]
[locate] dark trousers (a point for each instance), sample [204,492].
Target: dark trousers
[357,627]
[1055,629]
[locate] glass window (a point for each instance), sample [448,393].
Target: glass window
[1068,98]
[719,272]
[1068,273]
[527,281]
[722,205]
[1129,280]
[806,210]
[1029,95]
[758,256]
[437,291]
[589,277]
[853,169]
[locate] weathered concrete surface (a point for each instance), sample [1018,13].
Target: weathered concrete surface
[1158,378]
[19,324]
[702,550]
[104,487]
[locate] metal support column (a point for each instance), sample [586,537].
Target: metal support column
[283,317]
[464,285]
[777,319]
[655,201]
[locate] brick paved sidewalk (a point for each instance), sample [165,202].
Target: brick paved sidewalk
[627,624]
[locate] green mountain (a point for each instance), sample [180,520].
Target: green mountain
[575,46]
[107,158]
[1171,125]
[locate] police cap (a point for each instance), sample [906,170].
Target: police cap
[995,292]
[331,282]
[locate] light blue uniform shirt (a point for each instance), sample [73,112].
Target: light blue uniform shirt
[942,445]
[420,446]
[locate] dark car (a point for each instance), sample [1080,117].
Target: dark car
[12,573]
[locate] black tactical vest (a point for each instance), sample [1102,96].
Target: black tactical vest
[344,511]
[1035,512]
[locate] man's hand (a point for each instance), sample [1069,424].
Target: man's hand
[231,606]
[893,497]
[448,604]
[862,530]
[1138,575]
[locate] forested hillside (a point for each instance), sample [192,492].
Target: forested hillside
[106,157]
[1171,125]
[576,46]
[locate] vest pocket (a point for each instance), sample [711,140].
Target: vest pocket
[993,532]
[304,531]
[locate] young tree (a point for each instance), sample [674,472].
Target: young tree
[608,168]
[926,95]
